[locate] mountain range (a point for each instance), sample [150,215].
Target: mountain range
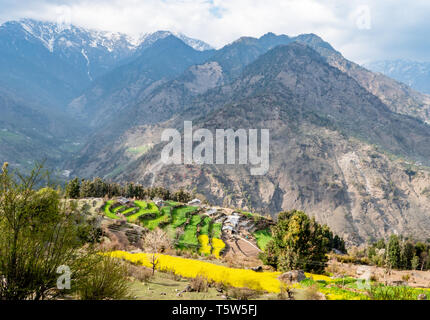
[415,74]
[348,146]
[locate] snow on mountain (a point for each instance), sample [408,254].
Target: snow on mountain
[56,36]
[59,37]
[147,39]
[93,52]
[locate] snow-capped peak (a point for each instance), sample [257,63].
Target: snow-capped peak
[53,35]
[147,39]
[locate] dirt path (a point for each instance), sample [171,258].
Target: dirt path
[240,247]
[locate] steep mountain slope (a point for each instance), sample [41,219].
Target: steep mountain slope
[158,102]
[45,60]
[397,96]
[331,142]
[162,101]
[413,73]
[28,134]
[44,66]
[161,61]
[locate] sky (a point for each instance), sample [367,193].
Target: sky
[362,31]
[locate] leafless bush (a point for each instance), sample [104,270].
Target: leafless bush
[309,293]
[156,241]
[140,273]
[199,284]
[243,293]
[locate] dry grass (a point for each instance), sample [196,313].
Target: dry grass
[199,284]
[243,293]
[141,274]
[309,293]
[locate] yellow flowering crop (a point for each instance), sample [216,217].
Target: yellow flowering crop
[317,277]
[218,245]
[205,247]
[240,278]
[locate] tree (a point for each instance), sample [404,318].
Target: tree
[393,252]
[298,243]
[35,237]
[181,196]
[73,189]
[87,189]
[156,242]
[415,262]
[407,253]
[39,235]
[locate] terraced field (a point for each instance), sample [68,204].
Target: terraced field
[132,211]
[183,223]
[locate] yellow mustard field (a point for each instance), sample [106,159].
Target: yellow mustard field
[205,247]
[218,245]
[240,278]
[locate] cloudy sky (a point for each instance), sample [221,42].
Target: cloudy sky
[363,30]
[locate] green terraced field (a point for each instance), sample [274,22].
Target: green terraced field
[165,216]
[172,218]
[216,230]
[144,208]
[263,237]
[107,211]
[118,209]
[205,226]
[190,238]
[180,215]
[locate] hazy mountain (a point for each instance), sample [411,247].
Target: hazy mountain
[44,66]
[163,60]
[28,134]
[413,73]
[57,62]
[43,60]
[147,39]
[332,144]
[348,146]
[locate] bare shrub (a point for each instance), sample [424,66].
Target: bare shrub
[141,274]
[199,284]
[155,242]
[243,293]
[374,278]
[286,293]
[309,293]
[406,277]
[220,286]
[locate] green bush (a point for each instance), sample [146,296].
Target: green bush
[379,292]
[106,279]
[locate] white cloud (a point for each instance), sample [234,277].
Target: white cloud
[361,30]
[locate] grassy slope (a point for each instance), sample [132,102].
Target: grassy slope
[189,238]
[263,237]
[144,208]
[107,210]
